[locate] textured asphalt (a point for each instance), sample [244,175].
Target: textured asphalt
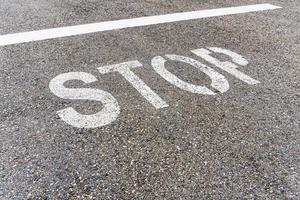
[242,144]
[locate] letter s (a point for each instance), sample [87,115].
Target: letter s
[108,114]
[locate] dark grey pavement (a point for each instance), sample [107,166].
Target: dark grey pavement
[241,144]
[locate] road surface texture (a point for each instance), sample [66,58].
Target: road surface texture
[241,143]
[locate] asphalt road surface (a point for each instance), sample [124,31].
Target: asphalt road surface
[151,111]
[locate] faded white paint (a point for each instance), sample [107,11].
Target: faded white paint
[125,70]
[227,66]
[111,110]
[219,82]
[45,34]
[108,114]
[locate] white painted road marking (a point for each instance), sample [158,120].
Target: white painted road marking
[219,82]
[227,66]
[111,109]
[107,115]
[125,70]
[45,34]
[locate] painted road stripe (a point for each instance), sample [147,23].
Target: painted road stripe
[45,34]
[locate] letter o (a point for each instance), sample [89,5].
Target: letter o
[219,82]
